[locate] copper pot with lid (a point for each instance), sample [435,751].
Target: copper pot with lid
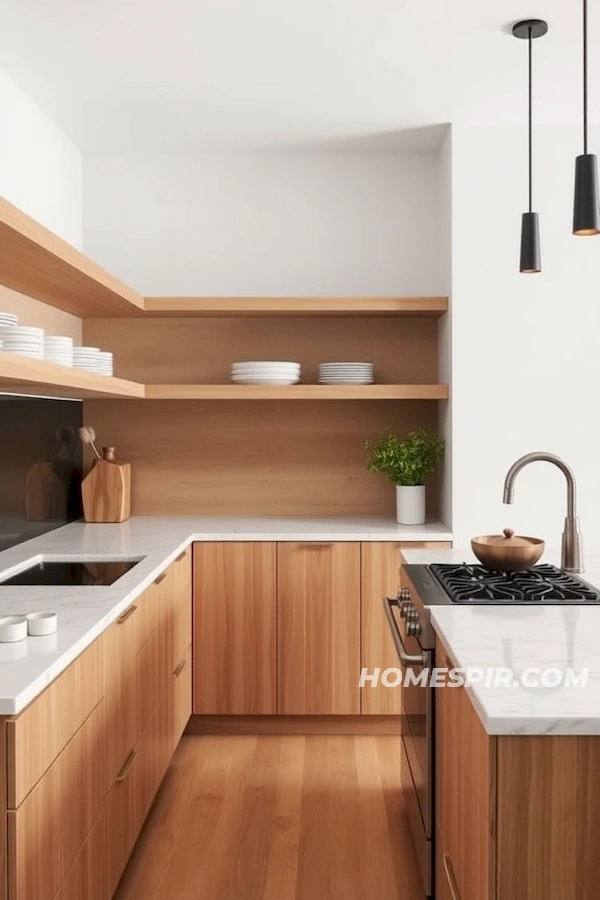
[507,552]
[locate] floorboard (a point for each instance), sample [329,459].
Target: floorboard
[276,818]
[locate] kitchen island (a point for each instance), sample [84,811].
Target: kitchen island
[517,766]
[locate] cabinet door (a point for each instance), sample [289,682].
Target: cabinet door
[234,628]
[318,628]
[465,784]
[380,578]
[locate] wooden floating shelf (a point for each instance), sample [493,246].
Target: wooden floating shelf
[297,392]
[296,306]
[21,375]
[38,263]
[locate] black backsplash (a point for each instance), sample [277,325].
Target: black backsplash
[40,466]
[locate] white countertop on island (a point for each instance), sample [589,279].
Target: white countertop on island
[26,667]
[520,638]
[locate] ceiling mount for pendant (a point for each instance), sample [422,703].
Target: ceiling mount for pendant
[530,261]
[538,29]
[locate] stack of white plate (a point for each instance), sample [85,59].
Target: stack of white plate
[105,363]
[7,318]
[58,349]
[346,373]
[24,340]
[265,372]
[87,358]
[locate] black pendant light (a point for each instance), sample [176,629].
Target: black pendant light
[586,208]
[531,260]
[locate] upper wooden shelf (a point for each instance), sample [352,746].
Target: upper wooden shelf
[38,263]
[297,392]
[21,375]
[296,306]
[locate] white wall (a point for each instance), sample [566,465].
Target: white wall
[40,170]
[526,358]
[266,224]
[445,375]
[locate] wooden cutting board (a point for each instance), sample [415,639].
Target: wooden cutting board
[106,490]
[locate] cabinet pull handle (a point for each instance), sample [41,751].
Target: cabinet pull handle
[450,877]
[160,578]
[126,766]
[317,544]
[126,615]
[179,668]
[181,556]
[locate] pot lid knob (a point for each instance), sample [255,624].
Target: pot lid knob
[508,533]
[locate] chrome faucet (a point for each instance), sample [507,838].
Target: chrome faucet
[572,543]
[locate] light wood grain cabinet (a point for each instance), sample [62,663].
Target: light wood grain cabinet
[81,765]
[380,577]
[235,616]
[318,635]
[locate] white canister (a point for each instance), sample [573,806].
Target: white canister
[410,504]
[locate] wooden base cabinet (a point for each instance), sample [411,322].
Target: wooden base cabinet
[518,817]
[235,621]
[81,765]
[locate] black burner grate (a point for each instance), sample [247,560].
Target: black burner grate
[542,584]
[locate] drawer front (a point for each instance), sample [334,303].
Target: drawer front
[48,830]
[37,736]
[86,879]
[181,606]
[182,697]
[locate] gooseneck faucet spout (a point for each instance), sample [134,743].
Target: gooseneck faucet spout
[572,543]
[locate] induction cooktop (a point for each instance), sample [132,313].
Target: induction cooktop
[65,572]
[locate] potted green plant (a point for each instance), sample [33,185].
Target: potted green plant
[408,464]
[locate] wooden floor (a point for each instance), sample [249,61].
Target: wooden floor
[276,818]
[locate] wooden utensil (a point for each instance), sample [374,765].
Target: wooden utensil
[507,552]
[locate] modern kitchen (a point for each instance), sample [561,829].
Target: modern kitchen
[299,481]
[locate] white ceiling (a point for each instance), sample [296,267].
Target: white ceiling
[238,74]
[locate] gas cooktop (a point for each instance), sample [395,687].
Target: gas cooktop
[476,585]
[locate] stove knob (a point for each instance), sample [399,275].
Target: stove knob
[412,615]
[404,594]
[406,607]
[413,628]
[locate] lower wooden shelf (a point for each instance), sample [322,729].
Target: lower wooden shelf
[21,375]
[297,392]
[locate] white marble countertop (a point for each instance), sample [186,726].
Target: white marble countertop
[84,613]
[520,638]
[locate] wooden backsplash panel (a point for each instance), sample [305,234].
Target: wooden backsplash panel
[255,457]
[199,351]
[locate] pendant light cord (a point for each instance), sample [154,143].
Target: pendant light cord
[585,78]
[530,122]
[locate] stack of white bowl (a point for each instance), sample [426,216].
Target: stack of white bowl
[105,363]
[58,350]
[24,340]
[265,372]
[346,373]
[8,319]
[87,358]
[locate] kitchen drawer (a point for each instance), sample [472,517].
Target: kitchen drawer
[37,736]
[86,879]
[49,828]
[181,708]
[181,607]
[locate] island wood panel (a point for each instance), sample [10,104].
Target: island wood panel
[381,577]
[465,795]
[294,306]
[33,312]
[256,458]
[318,628]
[548,817]
[40,264]
[188,351]
[234,627]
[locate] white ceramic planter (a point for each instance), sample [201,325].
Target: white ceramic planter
[410,505]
